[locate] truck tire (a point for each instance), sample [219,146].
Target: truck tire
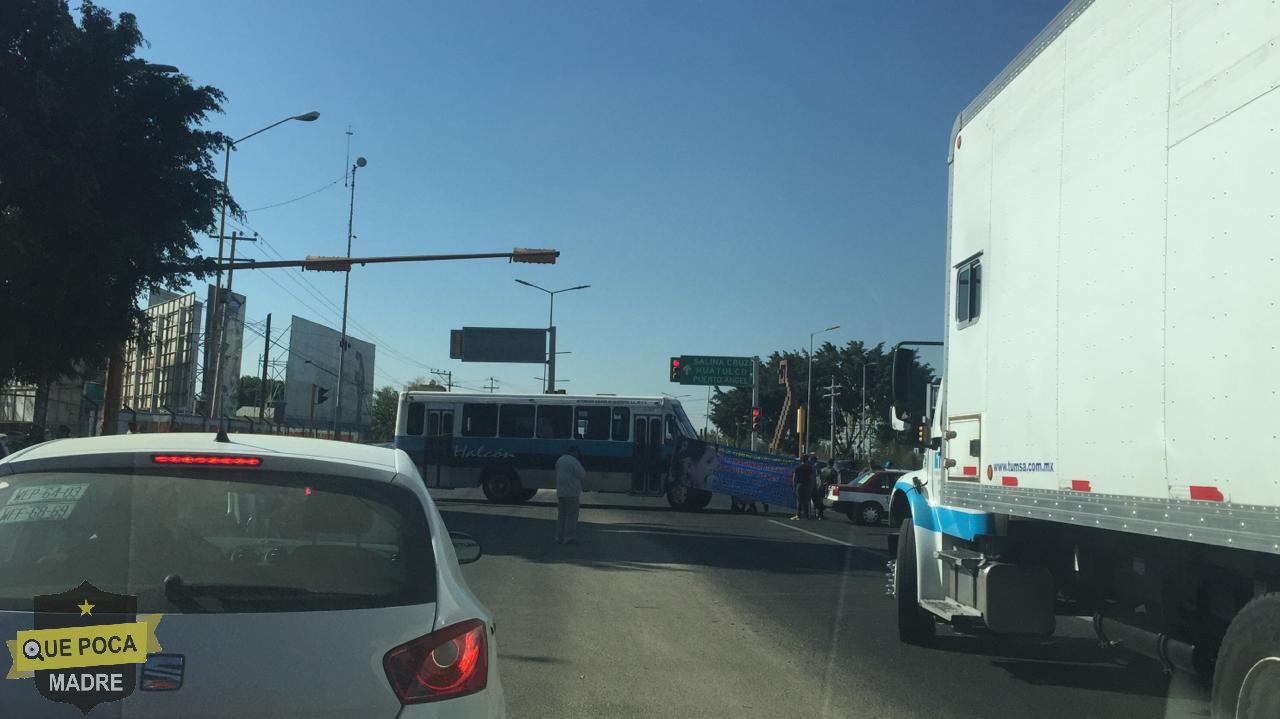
[867,513]
[915,625]
[1246,677]
[500,486]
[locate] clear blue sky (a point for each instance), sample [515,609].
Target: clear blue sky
[728,176]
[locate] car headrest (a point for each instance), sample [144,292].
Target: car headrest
[325,513]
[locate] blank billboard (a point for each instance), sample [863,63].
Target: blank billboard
[313,362]
[499,344]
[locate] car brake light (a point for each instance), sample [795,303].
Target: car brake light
[448,663]
[207,459]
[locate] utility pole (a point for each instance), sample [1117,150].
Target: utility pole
[446,375]
[262,388]
[346,291]
[220,313]
[831,395]
[493,384]
[755,394]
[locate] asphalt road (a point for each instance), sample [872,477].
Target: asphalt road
[658,613]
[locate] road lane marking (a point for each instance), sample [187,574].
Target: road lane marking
[833,540]
[828,676]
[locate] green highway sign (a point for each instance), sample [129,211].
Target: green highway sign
[707,370]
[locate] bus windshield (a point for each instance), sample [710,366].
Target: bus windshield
[685,425]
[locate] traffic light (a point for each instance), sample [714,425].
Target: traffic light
[675,369]
[755,418]
[322,395]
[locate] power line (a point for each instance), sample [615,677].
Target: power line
[299,197]
[308,287]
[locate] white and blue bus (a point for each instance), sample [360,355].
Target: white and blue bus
[508,444]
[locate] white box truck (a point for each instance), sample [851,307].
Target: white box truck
[1101,439]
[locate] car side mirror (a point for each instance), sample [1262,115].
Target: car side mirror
[466,547]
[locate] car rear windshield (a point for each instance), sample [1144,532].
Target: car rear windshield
[270,543]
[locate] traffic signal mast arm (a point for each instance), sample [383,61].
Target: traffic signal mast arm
[343,264]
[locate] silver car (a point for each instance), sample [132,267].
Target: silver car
[295,577]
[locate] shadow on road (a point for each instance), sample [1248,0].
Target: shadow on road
[1064,661]
[646,547]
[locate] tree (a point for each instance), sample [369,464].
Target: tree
[105,177]
[382,416]
[250,391]
[845,365]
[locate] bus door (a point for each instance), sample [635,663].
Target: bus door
[438,447]
[646,474]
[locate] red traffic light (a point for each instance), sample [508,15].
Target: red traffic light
[675,369]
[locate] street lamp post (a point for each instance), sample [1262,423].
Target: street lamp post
[346,287]
[218,318]
[808,385]
[551,331]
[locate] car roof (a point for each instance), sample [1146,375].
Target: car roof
[88,452]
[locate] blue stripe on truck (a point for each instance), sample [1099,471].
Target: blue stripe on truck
[960,523]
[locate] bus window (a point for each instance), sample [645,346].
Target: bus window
[621,423]
[555,421]
[516,420]
[433,424]
[416,414]
[479,420]
[593,423]
[672,431]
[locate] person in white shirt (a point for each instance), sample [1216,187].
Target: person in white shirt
[569,476]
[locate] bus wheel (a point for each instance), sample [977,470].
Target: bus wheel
[677,495]
[500,487]
[698,500]
[1248,666]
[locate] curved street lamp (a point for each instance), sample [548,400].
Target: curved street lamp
[220,317]
[551,331]
[808,385]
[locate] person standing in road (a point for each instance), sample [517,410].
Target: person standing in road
[802,479]
[569,476]
[826,478]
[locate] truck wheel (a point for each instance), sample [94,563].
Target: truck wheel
[500,487]
[1246,677]
[868,513]
[915,625]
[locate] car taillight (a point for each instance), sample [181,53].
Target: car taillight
[225,460]
[447,663]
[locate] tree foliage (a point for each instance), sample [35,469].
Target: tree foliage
[105,177]
[731,410]
[382,417]
[251,388]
